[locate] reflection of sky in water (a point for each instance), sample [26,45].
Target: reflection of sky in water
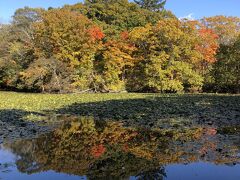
[50,175]
[6,156]
[201,171]
[12,173]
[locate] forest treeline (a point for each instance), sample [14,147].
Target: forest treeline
[116,45]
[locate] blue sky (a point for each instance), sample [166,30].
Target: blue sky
[182,8]
[201,8]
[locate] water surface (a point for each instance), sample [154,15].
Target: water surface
[83,148]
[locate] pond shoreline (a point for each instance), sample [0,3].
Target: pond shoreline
[24,115]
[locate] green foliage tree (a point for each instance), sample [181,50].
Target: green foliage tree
[226,71]
[117,16]
[153,5]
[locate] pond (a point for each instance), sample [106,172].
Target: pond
[85,148]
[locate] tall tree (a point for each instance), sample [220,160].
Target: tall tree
[153,5]
[116,16]
[23,19]
[207,46]
[16,45]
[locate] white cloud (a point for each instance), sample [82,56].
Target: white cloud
[188,17]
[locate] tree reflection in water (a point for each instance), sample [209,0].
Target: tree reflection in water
[99,149]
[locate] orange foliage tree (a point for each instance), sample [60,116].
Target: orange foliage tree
[207,46]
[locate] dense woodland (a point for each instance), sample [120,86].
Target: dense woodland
[116,45]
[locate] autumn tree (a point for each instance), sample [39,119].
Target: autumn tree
[223,74]
[207,46]
[71,38]
[116,45]
[16,45]
[46,75]
[165,54]
[227,28]
[114,62]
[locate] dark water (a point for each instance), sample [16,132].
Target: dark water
[82,148]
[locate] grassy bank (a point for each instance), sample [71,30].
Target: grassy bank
[42,102]
[125,106]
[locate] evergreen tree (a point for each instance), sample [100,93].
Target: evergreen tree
[153,5]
